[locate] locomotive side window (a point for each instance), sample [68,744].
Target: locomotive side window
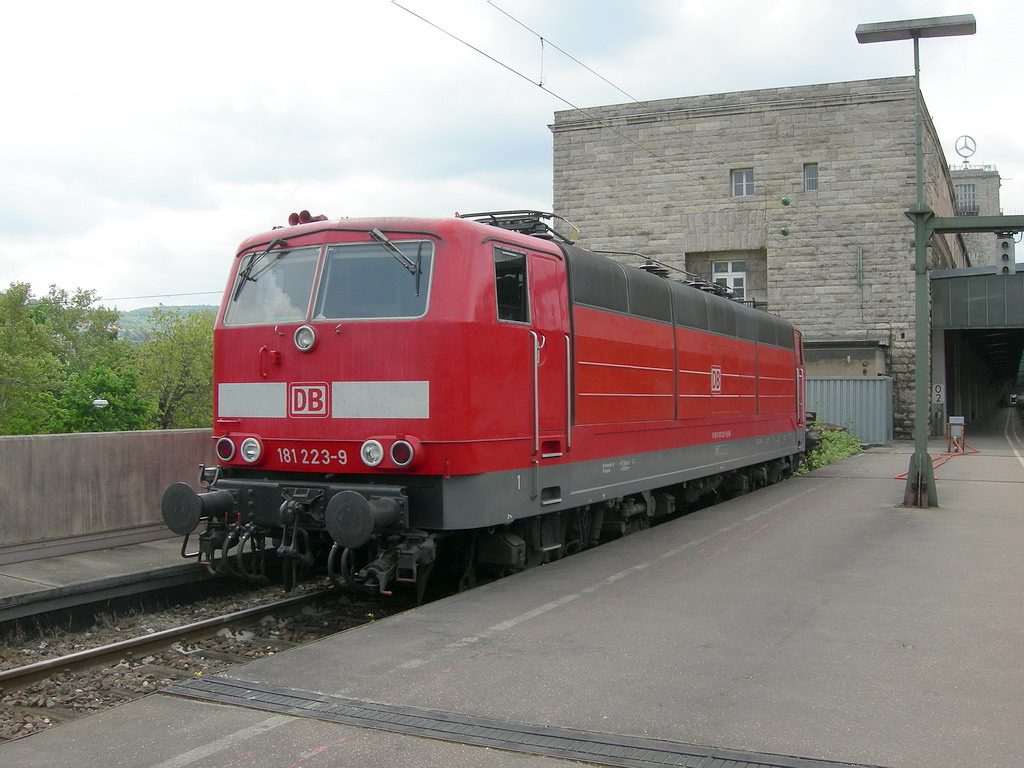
[273,287]
[510,286]
[362,281]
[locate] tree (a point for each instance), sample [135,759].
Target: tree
[175,365]
[102,399]
[29,367]
[81,332]
[54,349]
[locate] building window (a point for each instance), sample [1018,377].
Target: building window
[966,200]
[731,274]
[810,177]
[743,182]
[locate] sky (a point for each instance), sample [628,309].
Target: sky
[140,143]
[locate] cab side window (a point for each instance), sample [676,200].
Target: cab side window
[510,286]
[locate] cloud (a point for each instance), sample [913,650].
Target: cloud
[140,143]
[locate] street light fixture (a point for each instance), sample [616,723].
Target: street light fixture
[939,26]
[920,490]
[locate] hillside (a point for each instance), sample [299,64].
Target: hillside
[135,324]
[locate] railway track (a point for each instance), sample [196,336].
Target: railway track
[50,691]
[22,677]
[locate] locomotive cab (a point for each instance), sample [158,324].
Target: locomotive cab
[360,367]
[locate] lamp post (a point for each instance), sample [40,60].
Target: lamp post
[920,490]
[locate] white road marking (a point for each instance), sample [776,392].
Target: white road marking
[1011,427]
[200,753]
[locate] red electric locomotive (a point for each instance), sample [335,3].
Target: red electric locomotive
[388,390]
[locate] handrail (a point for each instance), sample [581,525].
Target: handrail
[537,346]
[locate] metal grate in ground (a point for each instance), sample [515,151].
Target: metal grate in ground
[584,746]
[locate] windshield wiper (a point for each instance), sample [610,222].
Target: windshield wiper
[246,274]
[413,267]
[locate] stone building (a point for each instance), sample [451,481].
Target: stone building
[794,197]
[976,188]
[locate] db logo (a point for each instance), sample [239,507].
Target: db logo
[308,400]
[716,378]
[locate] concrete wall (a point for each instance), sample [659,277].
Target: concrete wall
[82,487]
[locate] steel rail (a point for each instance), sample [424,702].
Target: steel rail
[22,677]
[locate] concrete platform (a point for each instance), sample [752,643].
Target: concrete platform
[68,580]
[815,618]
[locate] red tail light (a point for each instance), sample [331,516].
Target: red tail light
[225,449]
[402,453]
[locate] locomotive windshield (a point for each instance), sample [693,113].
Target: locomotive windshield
[358,281]
[274,288]
[363,281]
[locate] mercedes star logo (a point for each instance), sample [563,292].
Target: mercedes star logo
[965,146]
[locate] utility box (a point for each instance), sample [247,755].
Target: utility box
[955,433]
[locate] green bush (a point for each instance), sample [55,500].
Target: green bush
[835,445]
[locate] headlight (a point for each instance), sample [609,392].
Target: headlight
[304,338]
[372,453]
[251,450]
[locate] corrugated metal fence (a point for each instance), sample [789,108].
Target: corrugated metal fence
[862,404]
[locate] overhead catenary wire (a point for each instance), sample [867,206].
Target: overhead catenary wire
[767,194]
[561,98]
[716,192]
[158,296]
[692,142]
[544,88]
[560,50]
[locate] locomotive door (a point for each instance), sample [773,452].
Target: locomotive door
[549,316]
